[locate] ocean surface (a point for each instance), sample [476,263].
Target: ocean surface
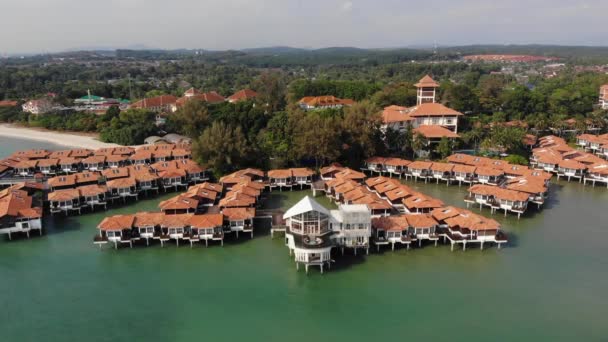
[549,283]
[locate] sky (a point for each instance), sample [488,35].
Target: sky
[34,26]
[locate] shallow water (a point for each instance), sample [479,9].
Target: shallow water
[548,283]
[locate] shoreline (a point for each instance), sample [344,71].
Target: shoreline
[58,138]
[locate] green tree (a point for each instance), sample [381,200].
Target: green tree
[191,119]
[222,147]
[444,148]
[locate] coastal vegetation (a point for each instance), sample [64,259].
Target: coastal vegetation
[275,130]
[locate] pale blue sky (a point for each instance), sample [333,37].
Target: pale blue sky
[55,25]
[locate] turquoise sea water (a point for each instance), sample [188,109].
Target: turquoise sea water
[549,284]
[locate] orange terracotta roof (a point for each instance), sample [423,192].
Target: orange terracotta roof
[121,183]
[421,221]
[396,162]
[238,214]
[180,202]
[207,221]
[442,167]
[504,194]
[432,109]
[441,214]
[242,95]
[350,174]
[64,195]
[435,131]
[488,171]
[176,221]
[92,190]
[427,82]
[118,222]
[158,101]
[147,219]
[280,174]
[390,223]
[371,182]
[420,165]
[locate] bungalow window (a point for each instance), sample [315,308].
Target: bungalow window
[237,223]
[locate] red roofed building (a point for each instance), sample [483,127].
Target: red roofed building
[243,95]
[210,97]
[6,103]
[323,102]
[156,104]
[426,113]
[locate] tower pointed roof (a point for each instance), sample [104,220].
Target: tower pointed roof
[305,205]
[427,82]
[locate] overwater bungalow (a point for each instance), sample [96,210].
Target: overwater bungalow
[571,169]
[86,178]
[597,173]
[204,196]
[65,201]
[383,188]
[357,193]
[420,170]
[181,204]
[351,174]
[122,188]
[94,195]
[123,151]
[31,154]
[396,196]
[208,227]
[442,172]
[391,230]
[489,175]
[94,163]
[280,179]
[194,172]
[141,157]
[422,228]
[111,174]
[148,226]
[26,168]
[534,187]
[464,174]
[180,153]
[18,214]
[162,155]
[237,200]
[378,207]
[48,167]
[117,230]
[375,165]
[396,166]
[460,226]
[239,220]
[329,172]
[420,204]
[80,153]
[176,227]
[302,176]
[370,183]
[173,179]
[339,191]
[498,199]
[69,165]
[117,161]
[60,154]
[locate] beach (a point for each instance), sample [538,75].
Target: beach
[58,138]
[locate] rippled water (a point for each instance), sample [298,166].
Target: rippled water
[548,284]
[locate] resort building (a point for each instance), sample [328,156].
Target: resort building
[37,107]
[604,96]
[312,231]
[157,104]
[242,95]
[18,214]
[429,118]
[323,102]
[193,94]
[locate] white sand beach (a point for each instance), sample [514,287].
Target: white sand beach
[58,138]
